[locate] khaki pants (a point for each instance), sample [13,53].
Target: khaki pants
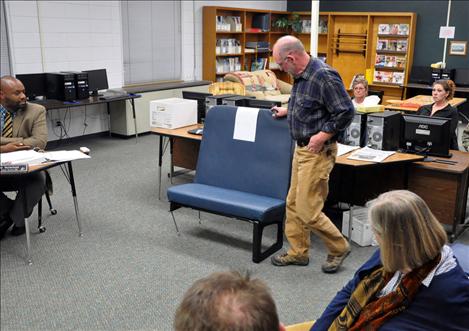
[308,191]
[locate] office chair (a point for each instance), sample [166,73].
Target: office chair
[218,88]
[380,94]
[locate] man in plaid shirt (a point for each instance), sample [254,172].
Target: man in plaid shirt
[318,113]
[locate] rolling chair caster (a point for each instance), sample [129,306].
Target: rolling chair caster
[42,229]
[53,211]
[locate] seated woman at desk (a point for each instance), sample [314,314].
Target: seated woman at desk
[360,93]
[413,282]
[442,92]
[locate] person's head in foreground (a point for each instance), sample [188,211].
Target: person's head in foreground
[227,301]
[413,282]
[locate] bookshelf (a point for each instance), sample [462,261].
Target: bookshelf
[348,41]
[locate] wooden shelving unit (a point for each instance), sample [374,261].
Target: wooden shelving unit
[346,40]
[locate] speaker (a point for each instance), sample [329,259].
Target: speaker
[356,134]
[383,130]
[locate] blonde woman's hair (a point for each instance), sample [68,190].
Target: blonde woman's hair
[409,235]
[360,80]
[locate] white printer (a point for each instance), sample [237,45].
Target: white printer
[173,113]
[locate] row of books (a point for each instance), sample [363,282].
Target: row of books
[229,24]
[228,64]
[390,61]
[388,77]
[394,29]
[391,45]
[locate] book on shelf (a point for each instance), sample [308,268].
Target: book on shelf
[259,64]
[403,29]
[383,29]
[398,78]
[389,77]
[382,45]
[394,29]
[380,60]
[390,61]
[401,45]
[400,62]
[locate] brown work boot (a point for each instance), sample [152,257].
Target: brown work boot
[284,259]
[333,262]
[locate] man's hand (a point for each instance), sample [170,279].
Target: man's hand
[316,142]
[279,111]
[13,147]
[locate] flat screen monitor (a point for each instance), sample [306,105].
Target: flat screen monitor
[421,75]
[97,80]
[461,77]
[426,135]
[255,103]
[34,84]
[200,98]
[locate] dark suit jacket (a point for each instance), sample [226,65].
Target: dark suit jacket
[29,127]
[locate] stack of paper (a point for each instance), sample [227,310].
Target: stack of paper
[370,154]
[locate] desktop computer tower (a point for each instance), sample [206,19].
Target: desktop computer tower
[61,86]
[356,134]
[215,100]
[81,83]
[237,100]
[384,130]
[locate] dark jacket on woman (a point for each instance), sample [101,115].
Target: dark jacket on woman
[447,112]
[444,305]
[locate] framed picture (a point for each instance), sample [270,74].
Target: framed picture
[457,47]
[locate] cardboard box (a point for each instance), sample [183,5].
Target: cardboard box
[361,228]
[173,113]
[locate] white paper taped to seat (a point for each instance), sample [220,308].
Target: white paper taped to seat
[246,124]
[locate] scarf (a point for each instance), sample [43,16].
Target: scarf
[364,311]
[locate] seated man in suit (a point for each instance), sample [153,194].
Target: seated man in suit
[23,125]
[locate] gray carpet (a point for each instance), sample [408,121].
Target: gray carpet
[130,269]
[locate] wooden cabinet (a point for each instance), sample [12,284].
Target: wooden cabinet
[351,42]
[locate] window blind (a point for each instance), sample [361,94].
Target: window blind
[151,41]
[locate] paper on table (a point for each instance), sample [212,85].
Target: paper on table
[65,155]
[370,154]
[22,157]
[344,149]
[246,124]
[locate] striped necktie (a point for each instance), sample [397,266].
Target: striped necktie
[7,126]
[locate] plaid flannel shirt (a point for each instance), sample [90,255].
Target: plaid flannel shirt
[319,102]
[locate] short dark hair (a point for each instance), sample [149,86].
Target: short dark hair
[227,301]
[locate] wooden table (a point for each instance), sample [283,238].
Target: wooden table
[68,172]
[356,182]
[419,100]
[183,146]
[444,188]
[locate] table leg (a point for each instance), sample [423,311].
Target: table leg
[75,200]
[171,165]
[28,242]
[109,116]
[160,164]
[132,101]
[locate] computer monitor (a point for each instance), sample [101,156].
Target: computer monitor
[34,84]
[200,98]
[421,75]
[97,80]
[426,135]
[256,103]
[461,77]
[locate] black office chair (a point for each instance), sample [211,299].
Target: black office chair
[380,94]
[53,211]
